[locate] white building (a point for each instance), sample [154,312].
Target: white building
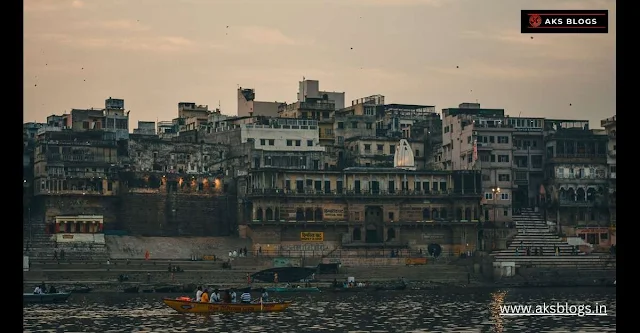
[310,89]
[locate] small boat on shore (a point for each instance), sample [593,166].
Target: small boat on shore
[30,298]
[183,305]
[293,289]
[131,290]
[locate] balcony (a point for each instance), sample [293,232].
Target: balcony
[578,158]
[483,146]
[354,193]
[612,153]
[573,203]
[324,136]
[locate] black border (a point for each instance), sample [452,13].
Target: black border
[16,37]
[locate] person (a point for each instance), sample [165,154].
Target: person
[199,294]
[205,296]
[275,278]
[227,297]
[37,290]
[265,295]
[234,297]
[245,297]
[52,290]
[215,296]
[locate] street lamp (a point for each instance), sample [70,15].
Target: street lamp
[496,192]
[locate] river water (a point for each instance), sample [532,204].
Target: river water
[459,310]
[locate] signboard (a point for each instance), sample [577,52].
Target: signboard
[208,258]
[67,236]
[312,236]
[416,261]
[333,214]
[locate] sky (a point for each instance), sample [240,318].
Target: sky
[157,53]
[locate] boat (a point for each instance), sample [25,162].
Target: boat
[285,274]
[293,289]
[60,297]
[131,290]
[184,305]
[80,290]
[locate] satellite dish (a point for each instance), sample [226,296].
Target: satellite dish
[434,250]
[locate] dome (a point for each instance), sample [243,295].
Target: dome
[403,158]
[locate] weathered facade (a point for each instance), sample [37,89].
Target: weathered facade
[609,125]
[528,160]
[576,175]
[367,205]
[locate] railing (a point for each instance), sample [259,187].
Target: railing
[558,155]
[569,202]
[306,192]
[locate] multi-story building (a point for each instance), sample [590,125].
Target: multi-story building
[528,160]
[576,177]
[113,118]
[248,106]
[145,128]
[609,125]
[167,130]
[276,142]
[310,90]
[191,116]
[480,139]
[364,206]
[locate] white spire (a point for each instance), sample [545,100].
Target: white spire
[403,158]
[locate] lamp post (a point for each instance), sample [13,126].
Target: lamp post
[496,192]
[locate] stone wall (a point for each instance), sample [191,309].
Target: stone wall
[51,206]
[177,214]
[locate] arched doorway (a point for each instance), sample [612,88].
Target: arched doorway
[467,214]
[391,234]
[425,214]
[356,234]
[581,195]
[372,234]
[299,214]
[259,215]
[317,215]
[269,214]
[434,213]
[308,214]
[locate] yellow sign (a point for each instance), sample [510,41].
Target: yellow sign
[312,236]
[208,257]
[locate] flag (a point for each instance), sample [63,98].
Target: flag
[475,150]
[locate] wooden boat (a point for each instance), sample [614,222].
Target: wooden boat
[80,290]
[28,298]
[131,290]
[183,305]
[293,289]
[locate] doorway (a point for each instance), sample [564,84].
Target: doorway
[373,220]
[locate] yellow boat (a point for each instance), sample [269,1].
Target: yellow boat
[188,306]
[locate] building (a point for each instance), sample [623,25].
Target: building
[275,142]
[480,139]
[191,116]
[113,118]
[167,130]
[248,106]
[145,128]
[576,178]
[528,160]
[361,207]
[309,90]
[609,125]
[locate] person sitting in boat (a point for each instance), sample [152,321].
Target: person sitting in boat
[205,296]
[245,297]
[265,295]
[199,294]
[215,296]
[226,298]
[52,290]
[37,290]
[234,297]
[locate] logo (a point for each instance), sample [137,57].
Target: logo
[535,20]
[564,21]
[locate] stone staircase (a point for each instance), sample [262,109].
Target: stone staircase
[36,242]
[533,233]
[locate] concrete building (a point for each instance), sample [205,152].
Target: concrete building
[167,130]
[609,125]
[309,90]
[364,207]
[528,160]
[248,106]
[191,116]
[576,179]
[480,139]
[113,118]
[145,128]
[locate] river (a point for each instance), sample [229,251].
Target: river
[459,310]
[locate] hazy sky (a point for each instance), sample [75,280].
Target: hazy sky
[156,53]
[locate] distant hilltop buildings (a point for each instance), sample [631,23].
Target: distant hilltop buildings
[317,147]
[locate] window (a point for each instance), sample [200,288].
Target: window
[486,178]
[488,196]
[392,187]
[604,236]
[287,184]
[298,143]
[443,186]
[367,147]
[484,158]
[289,143]
[446,129]
[380,148]
[369,126]
[469,139]
[325,115]
[492,139]
[155,155]
[390,215]
[417,153]
[392,149]
[504,178]
[470,158]
[340,125]
[614,147]
[505,212]
[309,143]
[504,196]
[503,139]
[503,158]
[354,124]
[341,140]
[272,142]
[493,158]
[263,142]
[612,169]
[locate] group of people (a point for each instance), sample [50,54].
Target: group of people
[203,295]
[42,289]
[241,252]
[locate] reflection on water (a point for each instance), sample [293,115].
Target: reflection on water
[459,310]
